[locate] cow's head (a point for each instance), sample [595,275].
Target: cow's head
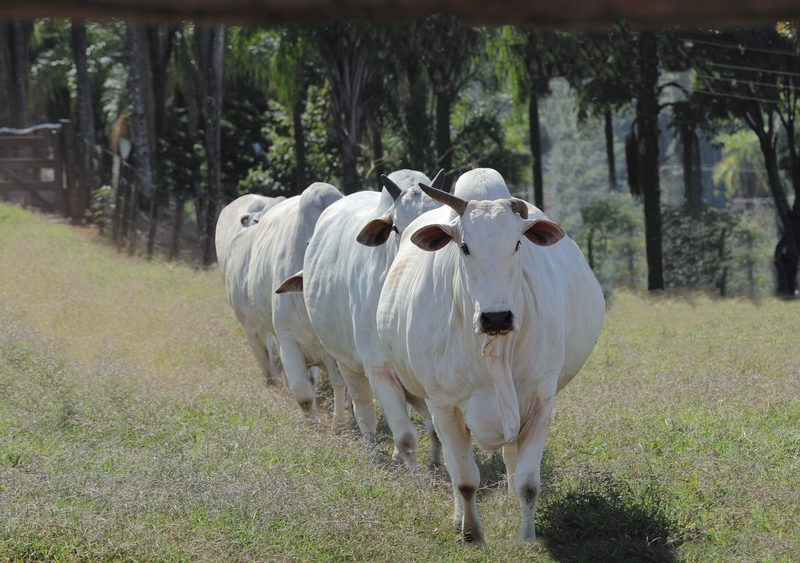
[408,204]
[489,234]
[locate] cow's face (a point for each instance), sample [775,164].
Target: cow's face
[409,203]
[490,235]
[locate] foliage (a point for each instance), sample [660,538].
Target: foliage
[717,249]
[741,171]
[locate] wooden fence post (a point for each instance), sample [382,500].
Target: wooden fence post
[77,201]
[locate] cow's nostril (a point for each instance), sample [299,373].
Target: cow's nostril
[497,322]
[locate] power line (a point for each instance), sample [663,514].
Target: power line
[736,96]
[766,84]
[742,48]
[756,69]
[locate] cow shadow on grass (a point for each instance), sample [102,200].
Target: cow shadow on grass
[599,517]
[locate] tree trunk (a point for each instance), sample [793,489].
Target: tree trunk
[151,232]
[141,131]
[300,180]
[536,151]
[692,172]
[177,226]
[189,85]
[647,115]
[6,77]
[20,35]
[612,165]
[349,170]
[213,150]
[84,109]
[444,147]
[415,114]
[378,163]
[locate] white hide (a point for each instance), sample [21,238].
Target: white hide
[341,286]
[279,247]
[233,239]
[499,388]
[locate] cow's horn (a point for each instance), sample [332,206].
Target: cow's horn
[460,205]
[519,207]
[438,180]
[391,187]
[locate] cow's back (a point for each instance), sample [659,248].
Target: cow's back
[342,279]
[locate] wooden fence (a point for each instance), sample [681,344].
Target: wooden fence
[38,167]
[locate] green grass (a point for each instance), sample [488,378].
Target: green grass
[134,426]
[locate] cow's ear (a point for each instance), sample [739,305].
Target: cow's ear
[542,232]
[432,237]
[376,232]
[294,283]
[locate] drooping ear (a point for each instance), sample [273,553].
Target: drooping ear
[542,232]
[433,237]
[376,232]
[293,283]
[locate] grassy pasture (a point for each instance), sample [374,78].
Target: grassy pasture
[134,427]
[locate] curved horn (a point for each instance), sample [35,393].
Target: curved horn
[391,187]
[460,205]
[438,180]
[519,207]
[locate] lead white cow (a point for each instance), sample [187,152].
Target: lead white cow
[279,246]
[234,239]
[488,313]
[341,283]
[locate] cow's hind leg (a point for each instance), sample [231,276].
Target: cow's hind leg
[300,383]
[463,470]
[261,353]
[435,455]
[363,404]
[339,393]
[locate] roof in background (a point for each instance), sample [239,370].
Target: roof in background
[555,14]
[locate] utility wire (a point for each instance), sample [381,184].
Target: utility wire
[741,48]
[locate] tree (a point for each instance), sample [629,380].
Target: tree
[530,59]
[754,75]
[352,54]
[448,53]
[292,67]
[414,91]
[84,109]
[623,68]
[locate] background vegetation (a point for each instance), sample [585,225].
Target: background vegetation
[139,429]
[635,142]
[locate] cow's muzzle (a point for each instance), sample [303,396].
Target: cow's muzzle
[498,322]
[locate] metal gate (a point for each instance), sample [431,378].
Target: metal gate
[37,168]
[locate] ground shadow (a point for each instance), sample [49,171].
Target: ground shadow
[601,518]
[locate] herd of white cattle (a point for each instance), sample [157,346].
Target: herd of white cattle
[478,336]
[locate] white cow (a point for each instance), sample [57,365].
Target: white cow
[279,246]
[234,239]
[341,284]
[489,329]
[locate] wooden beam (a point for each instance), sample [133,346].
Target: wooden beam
[563,14]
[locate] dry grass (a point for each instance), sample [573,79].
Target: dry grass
[135,428]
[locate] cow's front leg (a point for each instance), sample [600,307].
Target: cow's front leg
[527,477]
[392,400]
[464,472]
[300,383]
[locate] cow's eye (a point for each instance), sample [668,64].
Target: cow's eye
[519,243]
[465,248]
[394,228]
